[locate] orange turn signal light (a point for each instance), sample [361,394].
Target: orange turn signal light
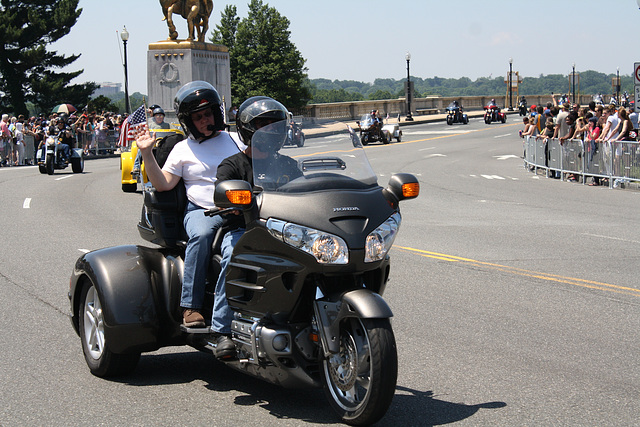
[411,189]
[239,197]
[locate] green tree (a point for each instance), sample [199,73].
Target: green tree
[26,66]
[264,61]
[103,104]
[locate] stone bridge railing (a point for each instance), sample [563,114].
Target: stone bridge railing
[431,104]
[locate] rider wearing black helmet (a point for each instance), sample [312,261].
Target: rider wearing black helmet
[64,136]
[199,111]
[195,161]
[158,119]
[258,112]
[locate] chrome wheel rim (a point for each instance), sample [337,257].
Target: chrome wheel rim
[348,372]
[93,324]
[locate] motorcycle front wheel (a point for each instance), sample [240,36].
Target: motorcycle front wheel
[49,166]
[101,360]
[360,380]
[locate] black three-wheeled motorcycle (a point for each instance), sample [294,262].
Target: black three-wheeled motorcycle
[305,279]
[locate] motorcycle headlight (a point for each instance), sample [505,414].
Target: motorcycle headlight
[380,240]
[325,247]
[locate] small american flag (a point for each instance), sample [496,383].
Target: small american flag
[133,126]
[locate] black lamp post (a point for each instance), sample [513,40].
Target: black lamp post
[618,85]
[125,36]
[409,118]
[573,83]
[510,85]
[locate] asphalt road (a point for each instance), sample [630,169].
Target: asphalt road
[516,300]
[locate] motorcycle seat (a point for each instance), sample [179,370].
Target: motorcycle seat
[161,220]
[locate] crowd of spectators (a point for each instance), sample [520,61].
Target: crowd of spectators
[90,130]
[595,125]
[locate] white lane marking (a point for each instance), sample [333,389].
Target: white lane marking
[428,148]
[506,156]
[492,176]
[84,251]
[64,177]
[609,237]
[502,136]
[27,203]
[434,155]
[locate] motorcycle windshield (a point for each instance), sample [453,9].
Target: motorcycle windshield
[334,162]
[366,121]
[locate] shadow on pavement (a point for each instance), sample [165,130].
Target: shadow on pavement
[409,407]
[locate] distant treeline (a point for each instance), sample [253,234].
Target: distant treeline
[589,82]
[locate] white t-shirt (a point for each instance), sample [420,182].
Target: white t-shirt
[197,164]
[614,123]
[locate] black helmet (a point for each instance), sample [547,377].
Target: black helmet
[260,107]
[197,96]
[158,110]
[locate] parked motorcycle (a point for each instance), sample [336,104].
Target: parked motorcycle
[492,113]
[305,279]
[522,106]
[50,157]
[455,114]
[371,130]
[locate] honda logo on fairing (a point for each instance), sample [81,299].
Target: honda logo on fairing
[345,209]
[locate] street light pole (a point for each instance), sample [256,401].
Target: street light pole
[573,84]
[125,37]
[509,82]
[409,117]
[618,85]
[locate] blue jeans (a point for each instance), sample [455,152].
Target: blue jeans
[201,230]
[138,160]
[66,151]
[222,314]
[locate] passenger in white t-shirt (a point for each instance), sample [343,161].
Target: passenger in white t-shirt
[195,160]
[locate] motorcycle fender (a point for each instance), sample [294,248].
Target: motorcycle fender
[361,303]
[131,304]
[76,152]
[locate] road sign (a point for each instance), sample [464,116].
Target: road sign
[636,72]
[637,95]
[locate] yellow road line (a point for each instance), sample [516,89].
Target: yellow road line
[527,273]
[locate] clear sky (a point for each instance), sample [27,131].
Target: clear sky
[364,40]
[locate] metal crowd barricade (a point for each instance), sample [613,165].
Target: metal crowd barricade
[108,146]
[619,161]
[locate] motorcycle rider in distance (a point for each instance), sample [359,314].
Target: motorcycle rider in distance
[158,119]
[195,161]
[253,114]
[64,137]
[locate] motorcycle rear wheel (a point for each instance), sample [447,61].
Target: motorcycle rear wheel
[360,380]
[101,360]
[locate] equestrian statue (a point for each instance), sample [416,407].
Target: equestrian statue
[196,12]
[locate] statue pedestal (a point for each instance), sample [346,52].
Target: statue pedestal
[171,64]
